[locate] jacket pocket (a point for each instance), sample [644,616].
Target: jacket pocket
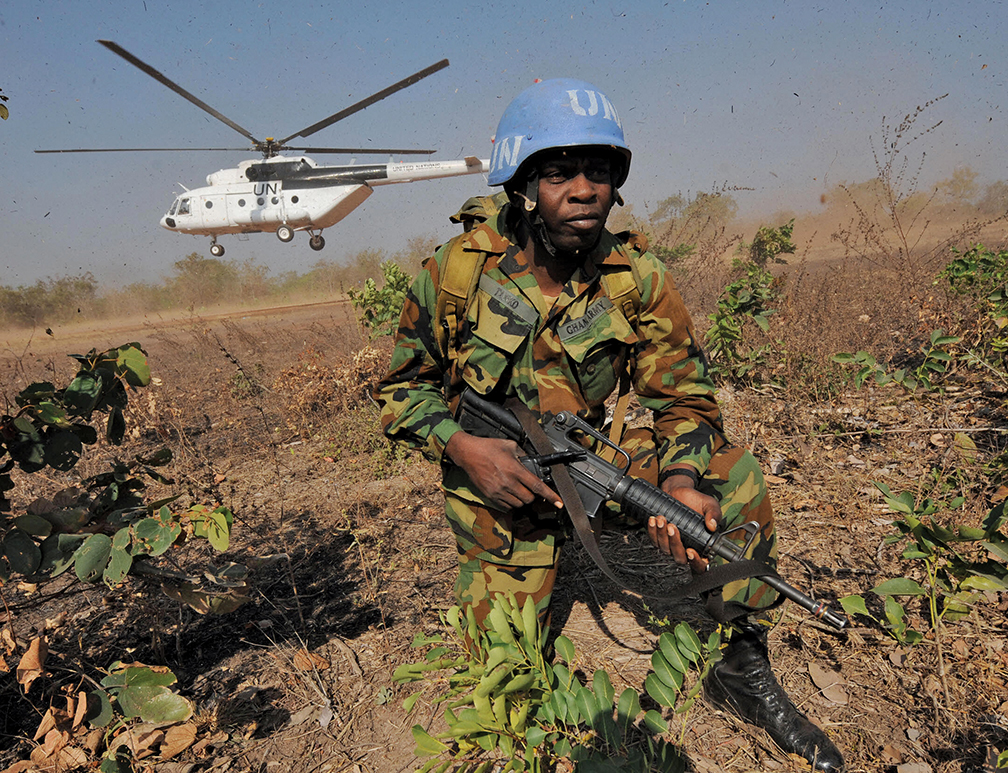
[496,326]
[599,342]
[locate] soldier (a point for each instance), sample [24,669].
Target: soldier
[557,311]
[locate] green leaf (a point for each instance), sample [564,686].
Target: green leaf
[899,586]
[138,675]
[854,605]
[665,671]
[984,582]
[115,429]
[410,701]
[587,705]
[58,553]
[51,413]
[653,721]
[689,642]
[214,525]
[23,555]
[165,707]
[564,648]
[99,709]
[132,363]
[627,708]
[604,693]
[92,557]
[68,519]
[659,690]
[120,562]
[34,525]
[82,394]
[519,683]
[970,533]
[426,746]
[535,735]
[997,547]
[530,620]
[670,650]
[62,449]
[155,536]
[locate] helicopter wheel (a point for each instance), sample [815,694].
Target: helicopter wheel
[285,233]
[216,249]
[316,242]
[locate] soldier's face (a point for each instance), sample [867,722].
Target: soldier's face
[575,196]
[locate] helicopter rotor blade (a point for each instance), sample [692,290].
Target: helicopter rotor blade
[115,48]
[376,97]
[142,150]
[366,151]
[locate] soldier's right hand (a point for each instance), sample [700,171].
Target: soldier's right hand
[493,465]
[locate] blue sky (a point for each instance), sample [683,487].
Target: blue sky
[778,97]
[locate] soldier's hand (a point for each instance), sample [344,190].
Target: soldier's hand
[492,464]
[665,536]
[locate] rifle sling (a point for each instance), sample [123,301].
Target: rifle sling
[715,577]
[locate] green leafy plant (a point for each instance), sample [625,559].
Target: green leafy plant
[982,275]
[506,706]
[769,244]
[378,309]
[128,715]
[747,299]
[104,530]
[934,363]
[958,563]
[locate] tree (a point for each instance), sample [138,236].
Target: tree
[994,201]
[678,223]
[202,281]
[961,187]
[418,249]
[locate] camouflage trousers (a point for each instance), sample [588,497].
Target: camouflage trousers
[519,550]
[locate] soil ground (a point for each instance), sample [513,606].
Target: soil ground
[267,414]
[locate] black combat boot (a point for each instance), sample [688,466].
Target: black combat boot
[744,683]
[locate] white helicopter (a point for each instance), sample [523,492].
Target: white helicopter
[284,194]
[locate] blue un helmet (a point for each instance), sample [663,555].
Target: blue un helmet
[557,113]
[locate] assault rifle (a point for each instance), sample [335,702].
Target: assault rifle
[598,481]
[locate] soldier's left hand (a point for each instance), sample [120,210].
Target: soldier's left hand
[665,536]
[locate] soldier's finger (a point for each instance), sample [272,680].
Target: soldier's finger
[675,544]
[697,564]
[540,489]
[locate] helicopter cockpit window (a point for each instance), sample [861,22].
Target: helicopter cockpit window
[183,207]
[174,206]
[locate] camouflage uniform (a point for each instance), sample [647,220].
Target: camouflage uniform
[565,356]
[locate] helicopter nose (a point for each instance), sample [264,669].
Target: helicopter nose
[167,222]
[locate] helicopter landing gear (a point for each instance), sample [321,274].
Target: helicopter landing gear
[216,249]
[316,242]
[285,233]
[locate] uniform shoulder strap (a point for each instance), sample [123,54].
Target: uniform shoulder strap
[624,290]
[462,267]
[624,287]
[460,275]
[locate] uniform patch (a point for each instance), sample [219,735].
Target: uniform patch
[575,327]
[514,305]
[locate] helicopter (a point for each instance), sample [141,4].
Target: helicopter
[283,194]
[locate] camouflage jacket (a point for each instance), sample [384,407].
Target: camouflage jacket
[567,356]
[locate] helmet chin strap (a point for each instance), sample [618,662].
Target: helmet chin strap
[527,203]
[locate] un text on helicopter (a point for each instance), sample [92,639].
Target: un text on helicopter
[284,194]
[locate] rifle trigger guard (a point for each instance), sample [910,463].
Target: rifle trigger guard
[751,529]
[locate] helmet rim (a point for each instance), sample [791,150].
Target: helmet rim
[556,113]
